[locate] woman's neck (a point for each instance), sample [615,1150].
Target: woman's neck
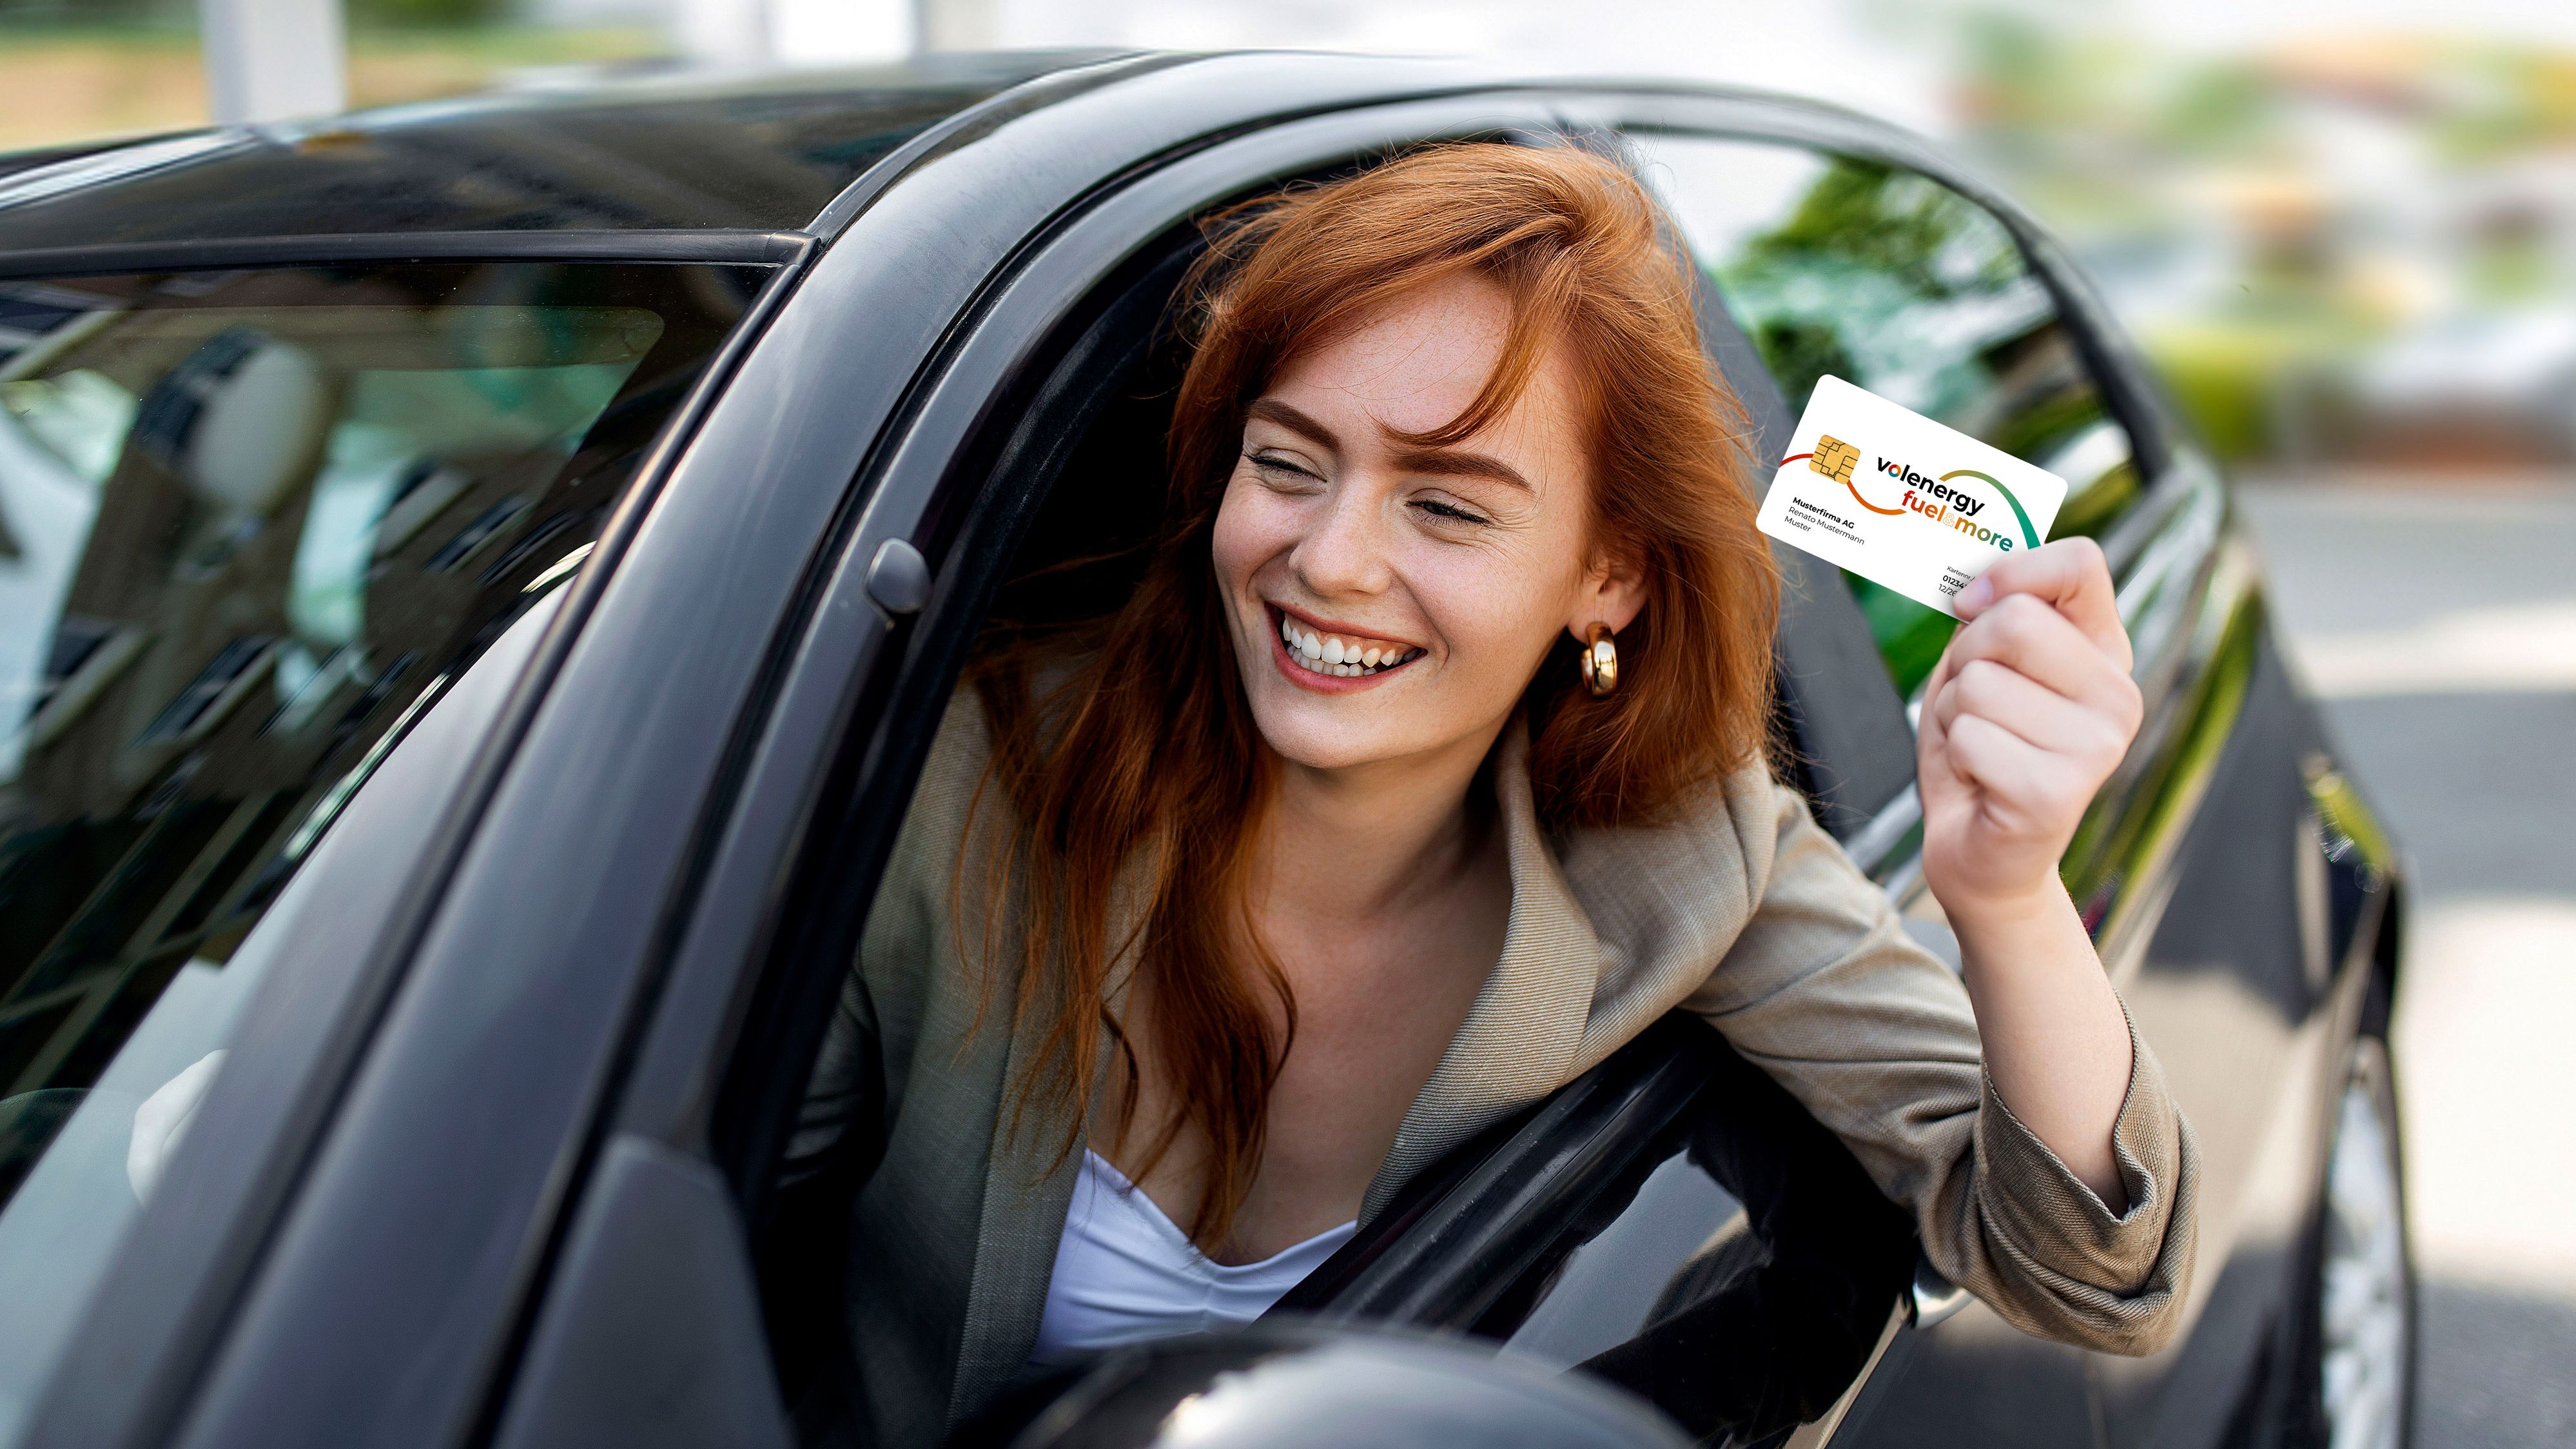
[1369,839]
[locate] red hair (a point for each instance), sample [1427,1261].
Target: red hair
[1151,780]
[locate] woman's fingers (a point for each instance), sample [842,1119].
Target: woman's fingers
[2071,577]
[2023,634]
[2033,789]
[2039,716]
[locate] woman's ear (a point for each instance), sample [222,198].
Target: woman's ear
[1612,593]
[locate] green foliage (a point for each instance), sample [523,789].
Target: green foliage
[2215,111]
[2040,427]
[2226,374]
[1910,636]
[85,15]
[428,14]
[114,15]
[1800,350]
[1891,222]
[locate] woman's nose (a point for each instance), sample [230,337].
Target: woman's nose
[1345,551]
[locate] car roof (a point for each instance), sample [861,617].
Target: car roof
[665,164]
[760,152]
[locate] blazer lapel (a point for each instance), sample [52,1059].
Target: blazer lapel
[1522,1037]
[1028,1189]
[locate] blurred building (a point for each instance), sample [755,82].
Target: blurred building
[2346,228]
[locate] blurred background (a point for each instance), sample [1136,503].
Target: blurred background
[2346,232]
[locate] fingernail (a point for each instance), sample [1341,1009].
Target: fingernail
[1976,595]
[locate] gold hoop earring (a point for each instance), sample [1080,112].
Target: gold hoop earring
[1600,660]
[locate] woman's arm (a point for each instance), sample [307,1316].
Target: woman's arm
[2030,710]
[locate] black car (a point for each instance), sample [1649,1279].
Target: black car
[476,585]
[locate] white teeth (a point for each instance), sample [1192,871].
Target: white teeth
[1327,654]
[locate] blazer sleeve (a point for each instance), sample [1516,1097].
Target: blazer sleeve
[1875,1036]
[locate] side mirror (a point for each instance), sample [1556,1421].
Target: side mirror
[1278,1385]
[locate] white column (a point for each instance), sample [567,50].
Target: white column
[273,60]
[752,33]
[829,32]
[959,24]
[724,32]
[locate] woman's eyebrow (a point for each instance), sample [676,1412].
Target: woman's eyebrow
[1440,462]
[1452,463]
[1273,410]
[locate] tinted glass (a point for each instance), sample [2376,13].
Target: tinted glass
[112,1143]
[1890,280]
[255,523]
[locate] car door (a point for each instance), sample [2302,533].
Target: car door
[1855,257]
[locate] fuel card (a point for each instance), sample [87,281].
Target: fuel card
[1901,500]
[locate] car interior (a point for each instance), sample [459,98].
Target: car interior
[1674,1221]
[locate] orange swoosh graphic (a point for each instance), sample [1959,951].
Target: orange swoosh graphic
[1847,483]
[1865,503]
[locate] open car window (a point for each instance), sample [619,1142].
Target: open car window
[1891,280]
[256,528]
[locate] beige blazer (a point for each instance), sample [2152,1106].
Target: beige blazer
[1745,914]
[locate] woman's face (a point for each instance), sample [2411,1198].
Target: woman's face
[1431,582]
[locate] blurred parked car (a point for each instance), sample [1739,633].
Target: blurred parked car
[2469,389]
[478,582]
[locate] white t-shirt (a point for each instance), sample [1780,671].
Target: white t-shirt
[1124,1272]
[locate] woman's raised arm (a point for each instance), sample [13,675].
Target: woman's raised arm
[2030,710]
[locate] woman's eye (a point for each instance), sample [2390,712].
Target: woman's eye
[1451,511]
[1278,466]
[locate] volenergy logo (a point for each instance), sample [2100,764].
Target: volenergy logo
[1945,501]
[1948,503]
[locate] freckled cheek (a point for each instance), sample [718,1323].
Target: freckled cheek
[1483,609]
[1250,531]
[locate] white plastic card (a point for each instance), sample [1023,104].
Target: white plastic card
[1902,500]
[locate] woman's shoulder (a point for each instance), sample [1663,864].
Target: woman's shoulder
[1734,825]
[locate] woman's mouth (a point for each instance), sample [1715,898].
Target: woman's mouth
[1323,655]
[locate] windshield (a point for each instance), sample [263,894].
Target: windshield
[253,526]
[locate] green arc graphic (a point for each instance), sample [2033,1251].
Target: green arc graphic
[2028,533]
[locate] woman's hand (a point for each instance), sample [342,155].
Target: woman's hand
[2030,710]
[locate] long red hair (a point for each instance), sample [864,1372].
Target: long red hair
[1145,784]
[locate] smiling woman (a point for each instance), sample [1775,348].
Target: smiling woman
[1397,431]
[1422,769]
